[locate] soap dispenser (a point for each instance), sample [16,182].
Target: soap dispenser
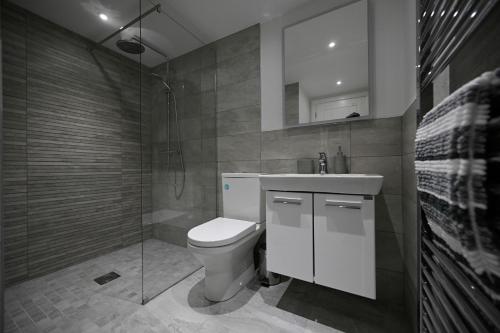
[340,162]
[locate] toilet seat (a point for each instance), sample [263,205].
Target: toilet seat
[220,231]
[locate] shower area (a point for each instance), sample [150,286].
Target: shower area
[109,155]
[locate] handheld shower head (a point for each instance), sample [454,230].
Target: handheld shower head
[165,84]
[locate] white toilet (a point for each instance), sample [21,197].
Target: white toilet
[225,244]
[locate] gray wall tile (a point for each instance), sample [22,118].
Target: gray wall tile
[410,205]
[408,177]
[409,128]
[387,166]
[238,95]
[292,143]
[191,128]
[390,288]
[241,147]
[389,251]
[389,213]
[338,135]
[279,166]
[239,43]
[410,240]
[238,121]
[238,166]
[83,147]
[379,137]
[208,105]
[238,69]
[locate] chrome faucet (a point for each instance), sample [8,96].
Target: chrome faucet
[323,163]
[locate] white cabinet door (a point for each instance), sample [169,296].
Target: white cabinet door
[344,243]
[290,234]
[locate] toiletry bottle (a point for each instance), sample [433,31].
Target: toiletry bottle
[340,162]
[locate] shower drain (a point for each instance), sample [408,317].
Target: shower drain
[103,279]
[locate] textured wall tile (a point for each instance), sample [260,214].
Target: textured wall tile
[338,135]
[389,251]
[192,82]
[241,147]
[292,143]
[387,166]
[388,213]
[390,287]
[238,95]
[409,128]
[238,166]
[83,148]
[14,136]
[208,79]
[192,150]
[191,128]
[209,127]
[209,149]
[409,179]
[411,239]
[379,137]
[208,104]
[238,121]
[239,43]
[239,69]
[191,106]
[279,166]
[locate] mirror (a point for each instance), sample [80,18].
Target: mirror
[326,67]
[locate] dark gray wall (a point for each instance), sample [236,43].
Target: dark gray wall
[410,212]
[72,147]
[1,209]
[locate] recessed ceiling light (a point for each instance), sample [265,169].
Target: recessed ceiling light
[339,82]
[473,14]
[103,17]
[121,28]
[331,45]
[455,13]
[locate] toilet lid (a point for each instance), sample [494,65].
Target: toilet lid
[219,232]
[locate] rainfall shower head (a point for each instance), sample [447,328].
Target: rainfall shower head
[130,46]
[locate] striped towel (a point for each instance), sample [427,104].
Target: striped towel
[457,166]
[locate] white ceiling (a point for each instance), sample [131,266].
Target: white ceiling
[317,68]
[208,20]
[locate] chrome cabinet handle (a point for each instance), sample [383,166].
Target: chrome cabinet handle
[343,204]
[286,200]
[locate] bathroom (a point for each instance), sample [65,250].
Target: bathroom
[163,164]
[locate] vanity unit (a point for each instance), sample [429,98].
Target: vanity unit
[321,229]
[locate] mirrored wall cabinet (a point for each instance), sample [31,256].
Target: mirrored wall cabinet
[326,75]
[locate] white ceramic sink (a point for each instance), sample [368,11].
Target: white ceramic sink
[329,183]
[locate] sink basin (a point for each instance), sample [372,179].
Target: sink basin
[329,183]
